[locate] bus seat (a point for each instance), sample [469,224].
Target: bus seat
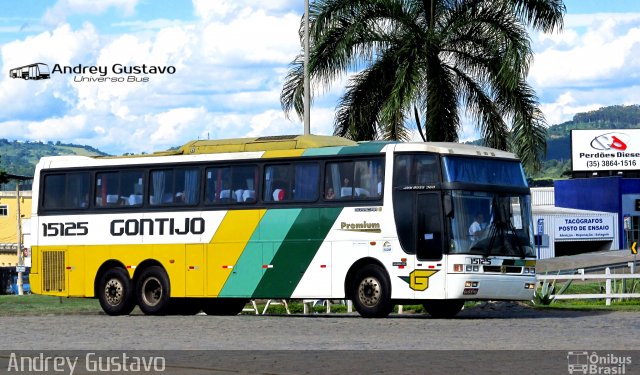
[362,192]
[248,196]
[346,191]
[225,195]
[134,199]
[238,194]
[278,195]
[112,198]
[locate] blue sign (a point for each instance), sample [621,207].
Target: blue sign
[541,226]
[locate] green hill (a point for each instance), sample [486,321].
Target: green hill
[20,158]
[558,158]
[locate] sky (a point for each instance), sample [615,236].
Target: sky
[225,62]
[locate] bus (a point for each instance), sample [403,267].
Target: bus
[216,223]
[31,71]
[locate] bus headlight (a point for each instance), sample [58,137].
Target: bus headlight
[529,270]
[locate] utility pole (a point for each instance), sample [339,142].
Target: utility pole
[19,234]
[307,85]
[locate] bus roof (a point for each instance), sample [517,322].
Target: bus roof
[278,142]
[273,146]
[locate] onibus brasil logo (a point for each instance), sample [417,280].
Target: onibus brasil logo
[31,71]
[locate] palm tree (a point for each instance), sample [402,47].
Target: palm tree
[436,59]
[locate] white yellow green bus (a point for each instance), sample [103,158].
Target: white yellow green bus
[216,223]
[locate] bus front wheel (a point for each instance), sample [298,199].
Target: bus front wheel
[115,292]
[372,292]
[152,290]
[443,308]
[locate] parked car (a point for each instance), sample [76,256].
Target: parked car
[26,288]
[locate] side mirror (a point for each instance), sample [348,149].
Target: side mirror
[448,206]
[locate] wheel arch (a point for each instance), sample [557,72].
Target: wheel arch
[353,270]
[109,264]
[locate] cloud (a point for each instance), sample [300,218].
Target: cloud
[601,54]
[595,62]
[224,9]
[62,9]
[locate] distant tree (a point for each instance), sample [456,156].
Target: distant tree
[3,177]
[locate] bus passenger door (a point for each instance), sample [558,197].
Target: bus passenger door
[194,275]
[429,276]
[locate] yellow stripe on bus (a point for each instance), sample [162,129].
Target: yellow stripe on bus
[282,153]
[227,245]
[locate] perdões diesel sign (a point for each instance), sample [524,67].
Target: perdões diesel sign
[605,150]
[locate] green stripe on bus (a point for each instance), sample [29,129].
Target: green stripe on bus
[266,239]
[364,148]
[322,151]
[296,252]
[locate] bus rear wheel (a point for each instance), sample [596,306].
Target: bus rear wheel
[115,292]
[224,306]
[371,292]
[153,291]
[443,308]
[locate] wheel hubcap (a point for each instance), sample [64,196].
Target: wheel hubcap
[369,291]
[114,291]
[152,291]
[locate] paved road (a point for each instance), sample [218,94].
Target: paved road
[502,338]
[492,326]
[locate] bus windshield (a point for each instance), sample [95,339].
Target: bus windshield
[491,224]
[483,171]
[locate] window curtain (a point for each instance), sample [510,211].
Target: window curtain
[268,182]
[157,178]
[306,185]
[191,184]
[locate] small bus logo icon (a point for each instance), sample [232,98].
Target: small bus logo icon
[31,71]
[578,362]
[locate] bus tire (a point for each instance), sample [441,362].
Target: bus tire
[224,306]
[153,291]
[443,308]
[115,292]
[372,292]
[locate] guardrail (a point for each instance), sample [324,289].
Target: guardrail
[608,277]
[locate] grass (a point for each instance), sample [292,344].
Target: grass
[32,304]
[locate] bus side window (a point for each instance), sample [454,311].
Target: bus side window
[54,188]
[228,185]
[362,179]
[339,177]
[412,170]
[277,184]
[161,189]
